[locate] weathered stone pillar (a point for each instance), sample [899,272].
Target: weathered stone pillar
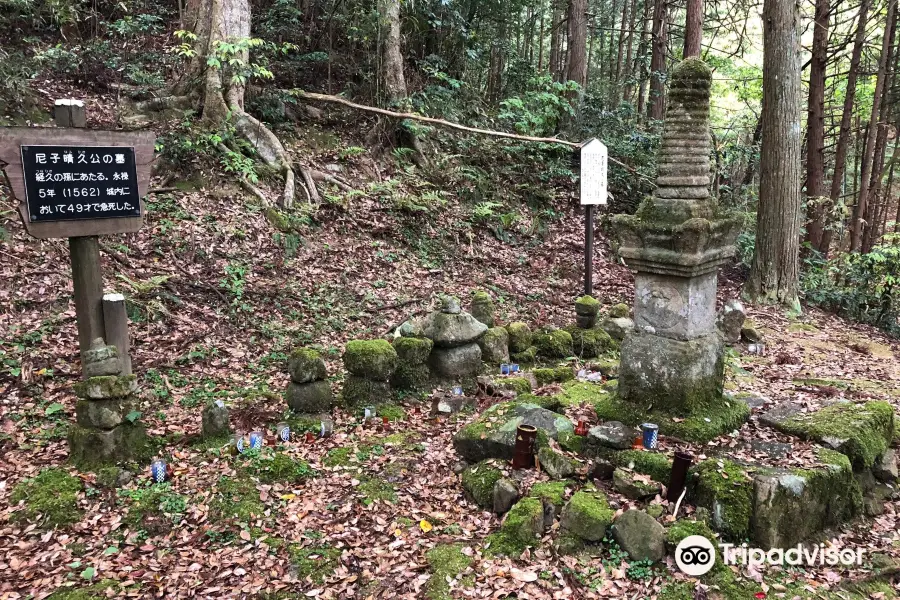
[673,360]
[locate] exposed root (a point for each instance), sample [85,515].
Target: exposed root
[313,193]
[333,179]
[269,148]
[165,103]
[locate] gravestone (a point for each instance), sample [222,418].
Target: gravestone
[676,243]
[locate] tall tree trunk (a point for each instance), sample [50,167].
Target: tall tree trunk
[629,51]
[843,143]
[621,51]
[577,49]
[391,57]
[815,126]
[641,58]
[693,28]
[556,37]
[540,65]
[774,274]
[659,34]
[859,210]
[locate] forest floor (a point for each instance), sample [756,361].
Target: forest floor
[220,297]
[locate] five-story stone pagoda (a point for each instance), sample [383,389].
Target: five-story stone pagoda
[672,368]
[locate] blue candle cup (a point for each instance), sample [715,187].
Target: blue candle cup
[158,471]
[514,368]
[504,369]
[256,440]
[369,412]
[326,429]
[457,390]
[237,443]
[284,432]
[650,435]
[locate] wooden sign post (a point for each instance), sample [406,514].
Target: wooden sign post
[594,157]
[79,184]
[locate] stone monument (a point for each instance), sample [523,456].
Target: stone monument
[672,363]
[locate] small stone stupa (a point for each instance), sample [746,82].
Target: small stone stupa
[672,366]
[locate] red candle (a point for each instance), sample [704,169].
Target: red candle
[310,438]
[384,421]
[581,429]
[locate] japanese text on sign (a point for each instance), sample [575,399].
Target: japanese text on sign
[593,172]
[64,183]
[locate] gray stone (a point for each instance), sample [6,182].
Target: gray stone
[634,486]
[601,469]
[774,450]
[780,413]
[617,328]
[640,535]
[751,335]
[585,321]
[675,307]
[101,360]
[556,465]
[460,466]
[106,387]
[372,359]
[885,468]
[103,414]
[412,329]
[587,515]
[754,401]
[506,493]
[733,315]
[519,336]
[619,311]
[483,308]
[612,434]
[309,398]
[305,365]
[449,330]
[493,434]
[214,420]
[413,351]
[360,392]
[494,346]
[450,305]
[89,446]
[457,361]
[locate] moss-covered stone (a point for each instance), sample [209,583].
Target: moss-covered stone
[520,385]
[360,391]
[494,346]
[528,357]
[392,412]
[569,544]
[50,499]
[309,398]
[411,377]
[314,562]
[587,515]
[571,442]
[619,311]
[412,350]
[370,359]
[104,414]
[549,375]
[657,465]
[106,387]
[554,344]
[726,490]
[446,561]
[493,434]
[861,431]
[522,527]
[552,493]
[478,480]
[90,447]
[483,308]
[519,337]
[305,365]
[587,306]
[590,343]
[555,464]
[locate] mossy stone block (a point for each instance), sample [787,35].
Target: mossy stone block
[494,346]
[520,385]
[590,343]
[412,350]
[372,359]
[524,523]
[103,414]
[90,447]
[479,479]
[619,311]
[587,306]
[305,365]
[587,515]
[528,357]
[106,387]
[549,375]
[519,337]
[309,398]
[411,377]
[360,391]
[483,308]
[726,490]
[554,344]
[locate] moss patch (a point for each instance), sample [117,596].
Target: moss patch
[658,466]
[446,560]
[724,488]
[521,528]
[551,492]
[392,412]
[373,490]
[519,337]
[553,375]
[570,442]
[553,344]
[338,457]
[315,563]
[277,467]
[91,592]
[51,498]
[479,480]
[372,359]
[153,507]
[587,515]
[590,343]
[519,385]
[236,498]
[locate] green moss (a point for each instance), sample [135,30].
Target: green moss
[553,375]
[619,311]
[798,327]
[590,343]
[106,386]
[97,591]
[151,504]
[519,337]
[445,560]
[338,457]
[411,377]
[306,364]
[520,529]
[412,351]
[51,498]
[687,527]
[588,515]
[360,391]
[554,344]
[107,476]
[277,467]
[548,402]
[372,359]
[570,442]
[392,412]
[862,430]
[479,479]
[655,464]
[728,493]
[519,385]
[373,490]
[587,305]
[316,562]
[91,448]
[568,544]
[553,492]
[236,498]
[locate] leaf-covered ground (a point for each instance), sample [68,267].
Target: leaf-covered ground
[218,297]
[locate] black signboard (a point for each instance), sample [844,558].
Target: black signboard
[71,183]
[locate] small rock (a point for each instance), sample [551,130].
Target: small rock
[555,464]
[450,305]
[601,469]
[619,311]
[618,327]
[483,308]
[334,168]
[612,435]
[460,466]
[885,468]
[780,413]
[101,360]
[629,485]
[519,337]
[309,398]
[754,401]
[305,365]
[587,515]
[494,346]
[640,535]
[214,420]
[732,320]
[411,329]
[751,335]
[505,495]
[456,362]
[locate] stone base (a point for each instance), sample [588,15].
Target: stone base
[312,397]
[359,391]
[683,377]
[89,447]
[493,435]
[103,414]
[722,416]
[456,362]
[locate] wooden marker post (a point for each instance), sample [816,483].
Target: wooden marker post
[594,157]
[78,184]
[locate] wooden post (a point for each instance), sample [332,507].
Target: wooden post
[84,252]
[115,323]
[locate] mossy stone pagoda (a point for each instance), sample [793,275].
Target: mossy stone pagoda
[672,363]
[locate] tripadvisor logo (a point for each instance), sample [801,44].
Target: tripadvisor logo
[695,555]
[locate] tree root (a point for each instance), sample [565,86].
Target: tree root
[313,194]
[269,148]
[165,103]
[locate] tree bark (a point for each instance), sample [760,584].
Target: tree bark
[859,210]
[577,70]
[774,274]
[556,21]
[843,143]
[642,53]
[620,55]
[629,51]
[815,126]
[391,57]
[693,28]
[659,35]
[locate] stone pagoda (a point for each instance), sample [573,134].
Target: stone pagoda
[672,363]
